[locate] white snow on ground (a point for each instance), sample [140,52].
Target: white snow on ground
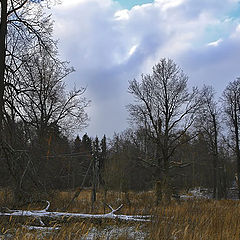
[111,233]
[196,193]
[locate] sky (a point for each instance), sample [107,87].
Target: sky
[128,4]
[109,43]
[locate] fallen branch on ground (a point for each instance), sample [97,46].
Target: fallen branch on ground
[59,215]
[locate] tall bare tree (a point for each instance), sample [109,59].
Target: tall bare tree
[208,124]
[166,109]
[32,89]
[3,33]
[14,13]
[231,100]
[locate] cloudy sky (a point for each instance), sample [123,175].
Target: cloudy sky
[111,42]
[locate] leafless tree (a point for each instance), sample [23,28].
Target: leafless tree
[166,109]
[22,45]
[231,101]
[32,89]
[23,16]
[43,101]
[208,124]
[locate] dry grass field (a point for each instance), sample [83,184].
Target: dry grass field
[185,220]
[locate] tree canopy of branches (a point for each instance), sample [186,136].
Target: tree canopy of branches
[166,109]
[44,101]
[21,17]
[34,102]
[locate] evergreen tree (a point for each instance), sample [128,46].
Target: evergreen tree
[102,159]
[96,149]
[86,143]
[77,144]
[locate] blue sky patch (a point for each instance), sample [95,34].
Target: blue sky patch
[235,13]
[131,3]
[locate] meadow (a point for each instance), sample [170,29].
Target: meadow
[192,219]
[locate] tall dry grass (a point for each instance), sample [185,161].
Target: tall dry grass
[197,219]
[186,220]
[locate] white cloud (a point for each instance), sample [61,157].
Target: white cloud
[109,46]
[238,28]
[132,50]
[166,4]
[122,14]
[237,32]
[215,43]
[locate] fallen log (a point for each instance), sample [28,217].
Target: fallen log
[38,214]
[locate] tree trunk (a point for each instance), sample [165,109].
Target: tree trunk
[214,178]
[238,168]
[3,34]
[158,181]
[216,162]
[94,185]
[224,181]
[158,192]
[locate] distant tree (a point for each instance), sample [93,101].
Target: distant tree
[102,159]
[96,149]
[167,111]
[95,168]
[77,144]
[122,171]
[87,143]
[231,101]
[208,124]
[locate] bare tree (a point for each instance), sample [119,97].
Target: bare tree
[231,100]
[44,101]
[18,16]
[3,33]
[208,124]
[22,46]
[14,13]
[32,88]
[166,109]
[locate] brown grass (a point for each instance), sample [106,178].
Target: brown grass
[189,220]
[205,219]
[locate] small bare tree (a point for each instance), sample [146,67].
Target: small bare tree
[166,109]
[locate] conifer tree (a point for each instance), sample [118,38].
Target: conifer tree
[77,144]
[102,159]
[86,143]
